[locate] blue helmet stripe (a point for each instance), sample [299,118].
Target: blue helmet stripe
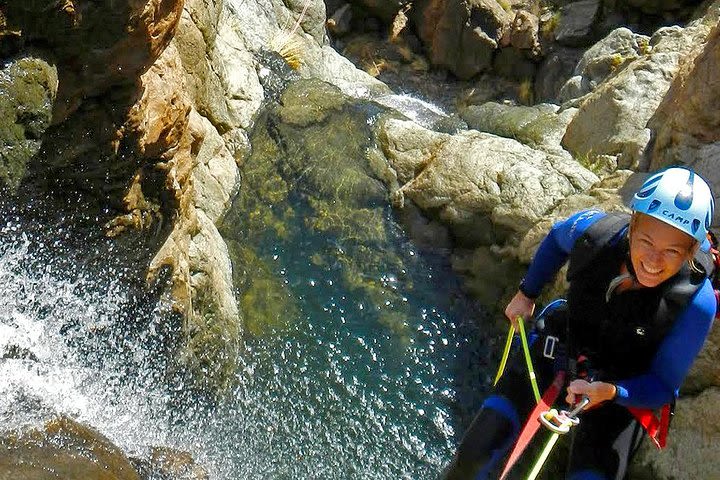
[684,198]
[649,186]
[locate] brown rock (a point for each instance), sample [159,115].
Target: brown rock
[63,448]
[688,118]
[97,45]
[461,35]
[523,32]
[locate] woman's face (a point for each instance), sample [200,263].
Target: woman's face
[657,250]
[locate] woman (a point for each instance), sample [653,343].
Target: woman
[638,311]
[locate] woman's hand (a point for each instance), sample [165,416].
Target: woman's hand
[597,392]
[519,306]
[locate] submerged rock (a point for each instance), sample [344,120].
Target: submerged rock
[169,464]
[310,176]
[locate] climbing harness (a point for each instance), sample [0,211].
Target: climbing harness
[551,393]
[656,428]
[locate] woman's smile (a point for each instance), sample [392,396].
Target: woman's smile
[657,250]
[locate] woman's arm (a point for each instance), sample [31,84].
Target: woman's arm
[554,250]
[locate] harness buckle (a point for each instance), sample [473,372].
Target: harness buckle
[549,347]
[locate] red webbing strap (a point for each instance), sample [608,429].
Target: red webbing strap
[657,429]
[532,425]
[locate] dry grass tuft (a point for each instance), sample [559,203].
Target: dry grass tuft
[288,45]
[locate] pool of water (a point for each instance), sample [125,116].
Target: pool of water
[341,392]
[335,392]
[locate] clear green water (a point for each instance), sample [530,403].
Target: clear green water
[340,394]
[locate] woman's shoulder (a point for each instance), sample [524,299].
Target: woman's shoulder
[576,224]
[704,301]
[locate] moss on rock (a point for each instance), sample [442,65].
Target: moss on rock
[309,174]
[27,92]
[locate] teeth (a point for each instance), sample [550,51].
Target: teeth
[651,271]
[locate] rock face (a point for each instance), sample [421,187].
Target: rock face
[686,125]
[127,36]
[96,49]
[27,91]
[577,22]
[602,60]
[612,118]
[461,35]
[62,448]
[487,188]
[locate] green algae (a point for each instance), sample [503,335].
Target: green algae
[309,174]
[267,304]
[535,126]
[27,91]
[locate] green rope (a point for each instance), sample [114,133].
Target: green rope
[526,351]
[543,456]
[505,355]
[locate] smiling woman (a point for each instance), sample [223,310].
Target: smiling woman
[639,308]
[657,250]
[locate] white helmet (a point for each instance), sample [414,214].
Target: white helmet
[679,197]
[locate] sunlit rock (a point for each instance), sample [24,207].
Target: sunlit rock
[602,60]
[603,195]
[539,126]
[27,93]
[612,119]
[488,188]
[522,33]
[62,448]
[686,124]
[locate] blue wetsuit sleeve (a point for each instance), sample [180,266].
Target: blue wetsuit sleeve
[674,356]
[554,250]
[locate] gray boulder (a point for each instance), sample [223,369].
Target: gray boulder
[612,119]
[488,189]
[603,59]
